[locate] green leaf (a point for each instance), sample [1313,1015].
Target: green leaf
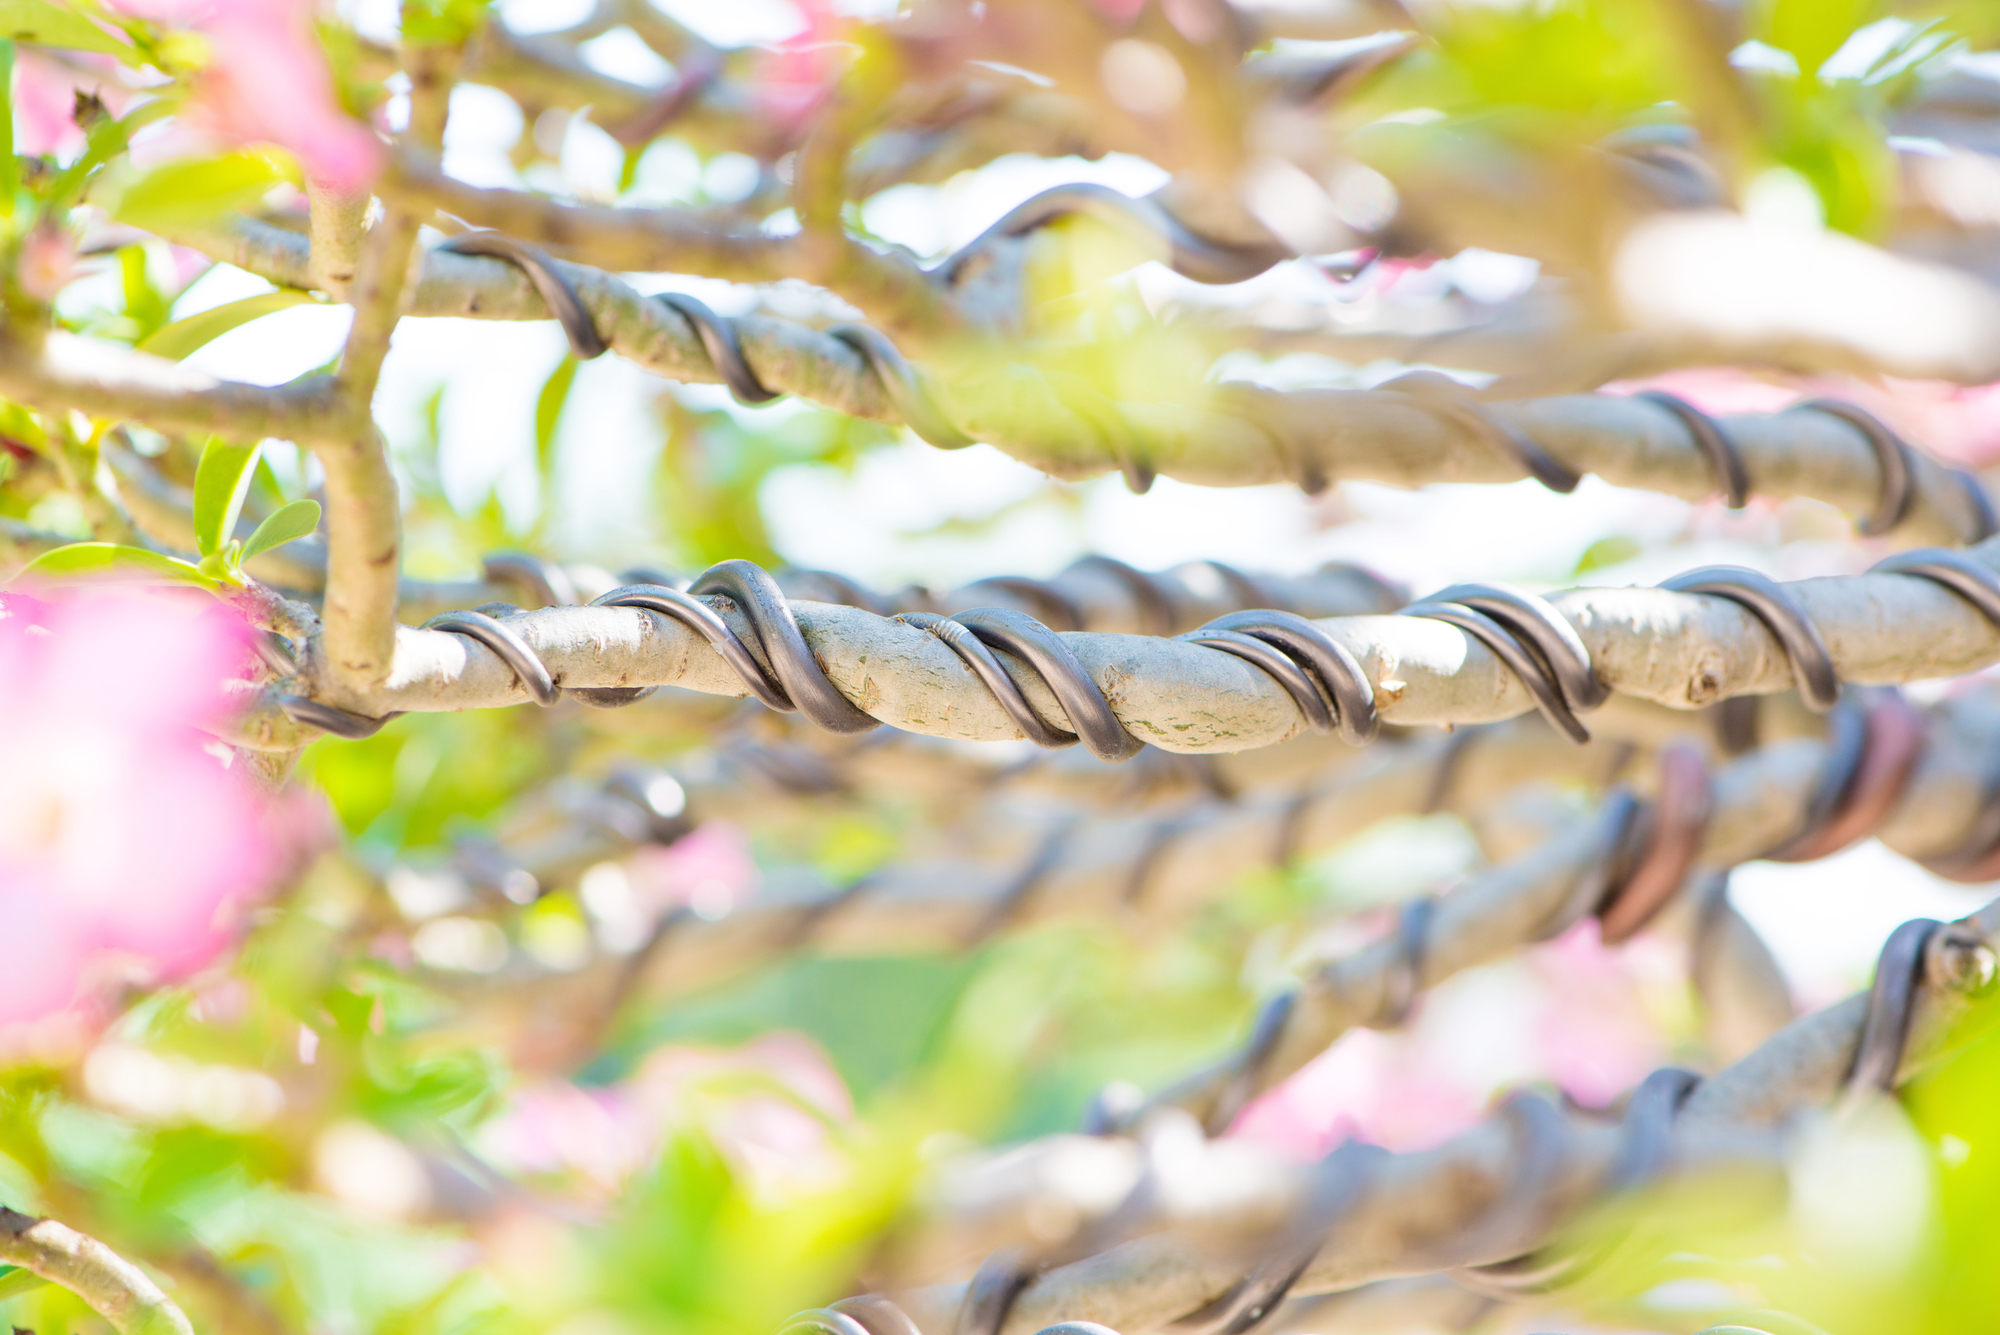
[293,521]
[549,407]
[144,302]
[221,480]
[441,22]
[1812,30]
[181,194]
[45,24]
[10,170]
[15,1281]
[107,560]
[182,337]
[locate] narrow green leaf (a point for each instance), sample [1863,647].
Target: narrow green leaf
[45,24]
[14,1281]
[549,407]
[293,521]
[106,560]
[144,302]
[182,193]
[10,171]
[182,337]
[221,480]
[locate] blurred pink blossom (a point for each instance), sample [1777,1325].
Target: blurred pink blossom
[269,84]
[1367,1087]
[1960,423]
[1571,1012]
[1592,1032]
[45,88]
[560,1127]
[796,75]
[768,1105]
[709,869]
[127,844]
[47,262]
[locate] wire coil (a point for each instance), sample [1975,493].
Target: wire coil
[557,292]
[1533,640]
[969,635]
[1768,601]
[1325,680]
[1732,478]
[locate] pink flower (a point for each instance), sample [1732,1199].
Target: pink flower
[795,76]
[1571,1012]
[45,88]
[560,1127]
[126,844]
[708,869]
[1594,1036]
[769,1105]
[48,261]
[1367,1087]
[269,84]
[1956,422]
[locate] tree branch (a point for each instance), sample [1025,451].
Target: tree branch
[1236,436]
[1485,1196]
[363,519]
[116,1289]
[1677,649]
[110,382]
[891,289]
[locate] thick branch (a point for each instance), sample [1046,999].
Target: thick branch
[116,1289]
[1681,650]
[1479,1198]
[110,382]
[1243,437]
[363,519]
[891,289]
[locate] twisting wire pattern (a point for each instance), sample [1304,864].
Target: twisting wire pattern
[1732,479]
[1207,260]
[1330,688]
[1532,639]
[1195,256]
[560,295]
[1767,600]
[1644,854]
[1324,680]
[1922,957]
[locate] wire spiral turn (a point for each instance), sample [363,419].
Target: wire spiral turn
[1768,601]
[1193,255]
[1445,397]
[1326,682]
[1732,479]
[557,292]
[1532,639]
[969,635]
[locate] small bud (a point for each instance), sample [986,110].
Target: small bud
[90,109]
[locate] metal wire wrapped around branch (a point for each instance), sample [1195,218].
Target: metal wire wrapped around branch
[1623,864]
[1249,435]
[1362,1214]
[1183,696]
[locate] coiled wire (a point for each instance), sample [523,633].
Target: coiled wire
[1768,601]
[1533,640]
